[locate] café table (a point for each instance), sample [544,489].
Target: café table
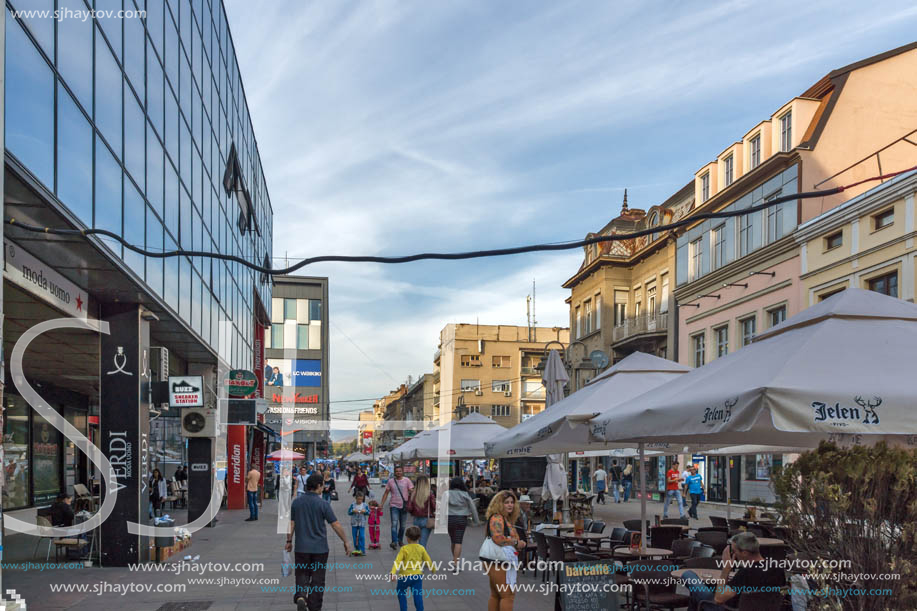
[650,552]
[768,541]
[585,536]
[557,526]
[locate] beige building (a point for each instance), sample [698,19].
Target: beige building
[418,401]
[491,369]
[621,297]
[867,242]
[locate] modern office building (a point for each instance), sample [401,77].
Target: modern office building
[139,125]
[296,363]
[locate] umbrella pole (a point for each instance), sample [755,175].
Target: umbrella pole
[642,499]
[728,488]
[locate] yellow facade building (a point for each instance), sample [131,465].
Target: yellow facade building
[491,369]
[867,242]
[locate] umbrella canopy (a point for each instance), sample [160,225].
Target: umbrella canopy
[564,427]
[840,370]
[357,457]
[554,378]
[403,452]
[465,439]
[284,455]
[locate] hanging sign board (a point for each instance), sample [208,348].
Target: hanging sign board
[39,279]
[241,383]
[186,391]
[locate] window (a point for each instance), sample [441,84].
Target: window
[620,313]
[748,329]
[705,187]
[746,234]
[277,337]
[718,238]
[471,385]
[754,155]
[471,360]
[728,170]
[664,303]
[776,316]
[289,309]
[501,361]
[315,310]
[695,255]
[651,300]
[302,337]
[774,221]
[637,309]
[887,284]
[473,409]
[831,293]
[834,240]
[501,386]
[74,149]
[786,132]
[722,340]
[587,306]
[108,95]
[499,410]
[579,323]
[883,219]
[598,311]
[699,349]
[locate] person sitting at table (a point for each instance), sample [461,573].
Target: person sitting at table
[525,514]
[61,511]
[751,577]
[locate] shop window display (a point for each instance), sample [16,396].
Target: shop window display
[16,455]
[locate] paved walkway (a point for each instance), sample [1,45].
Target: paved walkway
[233,540]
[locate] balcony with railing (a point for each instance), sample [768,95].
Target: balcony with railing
[656,322]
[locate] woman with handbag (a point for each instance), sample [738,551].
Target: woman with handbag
[422,506]
[328,486]
[500,550]
[461,507]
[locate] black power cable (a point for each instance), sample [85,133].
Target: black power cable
[474,254]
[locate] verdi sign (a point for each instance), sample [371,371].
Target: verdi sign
[240,383]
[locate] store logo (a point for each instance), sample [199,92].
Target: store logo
[515,451]
[837,414]
[544,432]
[120,360]
[598,430]
[184,386]
[298,398]
[713,415]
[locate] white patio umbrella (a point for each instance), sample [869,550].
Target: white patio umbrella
[403,452]
[357,457]
[554,378]
[841,370]
[466,437]
[564,427]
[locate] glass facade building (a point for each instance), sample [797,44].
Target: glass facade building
[138,124]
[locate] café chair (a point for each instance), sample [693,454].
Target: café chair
[652,587]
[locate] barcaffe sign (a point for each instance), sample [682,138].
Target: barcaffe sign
[39,279]
[186,391]
[241,383]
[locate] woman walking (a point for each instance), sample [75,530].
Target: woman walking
[327,485]
[461,507]
[158,491]
[502,514]
[423,507]
[627,480]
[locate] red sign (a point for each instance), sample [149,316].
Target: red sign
[259,358]
[367,447]
[235,473]
[298,398]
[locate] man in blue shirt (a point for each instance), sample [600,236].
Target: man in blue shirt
[308,516]
[695,488]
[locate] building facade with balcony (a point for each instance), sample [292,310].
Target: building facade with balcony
[867,242]
[491,369]
[621,298]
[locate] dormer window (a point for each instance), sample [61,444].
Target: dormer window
[728,170]
[786,132]
[754,154]
[705,187]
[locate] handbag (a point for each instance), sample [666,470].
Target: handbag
[491,551]
[431,523]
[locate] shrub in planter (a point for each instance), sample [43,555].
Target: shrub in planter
[859,505]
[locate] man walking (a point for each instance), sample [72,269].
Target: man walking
[301,481]
[673,490]
[601,478]
[615,476]
[695,489]
[360,483]
[400,488]
[308,517]
[251,487]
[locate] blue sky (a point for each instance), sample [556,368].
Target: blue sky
[393,127]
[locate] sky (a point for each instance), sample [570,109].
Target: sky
[389,127]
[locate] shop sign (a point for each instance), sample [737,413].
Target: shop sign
[186,391]
[241,383]
[307,372]
[200,466]
[39,279]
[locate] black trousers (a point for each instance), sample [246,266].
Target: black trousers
[695,501]
[310,579]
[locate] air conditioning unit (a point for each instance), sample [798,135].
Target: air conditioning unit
[479,393]
[198,422]
[508,393]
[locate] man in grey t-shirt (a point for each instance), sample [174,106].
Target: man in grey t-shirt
[308,517]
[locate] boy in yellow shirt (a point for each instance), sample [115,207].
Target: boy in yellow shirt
[408,569]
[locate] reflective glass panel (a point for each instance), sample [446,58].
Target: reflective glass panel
[134,144]
[108,96]
[75,35]
[74,158]
[134,227]
[107,192]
